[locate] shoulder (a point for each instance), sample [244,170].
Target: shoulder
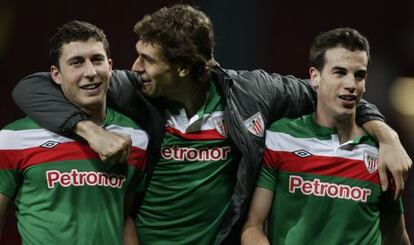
[249,76]
[116,118]
[295,127]
[285,123]
[23,133]
[22,124]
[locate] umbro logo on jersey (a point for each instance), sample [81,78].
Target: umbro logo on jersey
[302,153]
[49,144]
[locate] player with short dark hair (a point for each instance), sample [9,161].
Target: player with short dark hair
[63,192]
[319,181]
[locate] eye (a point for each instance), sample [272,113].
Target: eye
[97,60]
[359,76]
[75,62]
[340,73]
[147,59]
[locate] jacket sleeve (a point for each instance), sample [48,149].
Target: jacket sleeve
[288,96]
[42,100]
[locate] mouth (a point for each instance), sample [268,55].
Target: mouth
[91,86]
[348,97]
[145,82]
[348,100]
[145,79]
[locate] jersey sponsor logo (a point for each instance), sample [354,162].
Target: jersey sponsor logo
[332,190]
[220,125]
[79,178]
[255,124]
[302,153]
[49,144]
[371,161]
[194,154]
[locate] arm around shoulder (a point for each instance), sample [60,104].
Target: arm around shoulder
[43,101]
[291,96]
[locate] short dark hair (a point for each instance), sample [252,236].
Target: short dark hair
[184,33]
[347,38]
[75,31]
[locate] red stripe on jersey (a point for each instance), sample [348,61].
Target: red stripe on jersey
[138,158]
[24,158]
[210,134]
[320,165]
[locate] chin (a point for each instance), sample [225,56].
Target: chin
[151,94]
[346,114]
[92,102]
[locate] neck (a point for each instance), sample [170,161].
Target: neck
[97,114]
[345,126]
[193,95]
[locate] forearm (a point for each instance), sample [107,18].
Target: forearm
[381,131]
[4,205]
[130,233]
[43,101]
[253,235]
[393,230]
[405,238]
[252,232]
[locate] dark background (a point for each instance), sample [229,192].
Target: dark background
[273,35]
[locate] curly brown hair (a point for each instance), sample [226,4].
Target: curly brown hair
[185,35]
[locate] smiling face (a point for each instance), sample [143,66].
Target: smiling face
[340,83]
[160,78]
[84,73]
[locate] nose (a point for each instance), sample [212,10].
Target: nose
[350,84]
[90,71]
[138,66]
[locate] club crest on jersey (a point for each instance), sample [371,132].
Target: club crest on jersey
[49,144]
[371,161]
[255,124]
[220,125]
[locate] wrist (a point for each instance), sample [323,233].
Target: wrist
[86,129]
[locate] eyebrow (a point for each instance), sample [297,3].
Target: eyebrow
[338,68]
[344,69]
[80,57]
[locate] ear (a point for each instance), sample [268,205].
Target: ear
[183,71]
[110,64]
[54,71]
[315,77]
